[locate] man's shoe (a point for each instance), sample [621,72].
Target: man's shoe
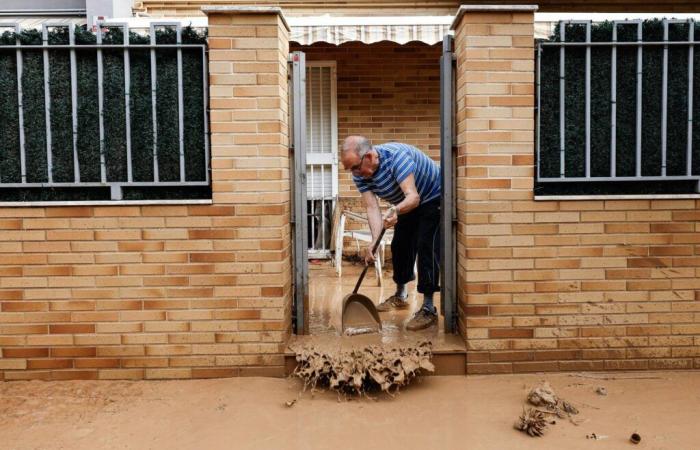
[392,302]
[421,320]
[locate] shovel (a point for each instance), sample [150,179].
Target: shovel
[359,314]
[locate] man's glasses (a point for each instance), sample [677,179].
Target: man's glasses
[358,166]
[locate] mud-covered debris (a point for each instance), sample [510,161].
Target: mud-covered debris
[290,403]
[601,391]
[544,396]
[596,437]
[358,371]
[577,422]
[568,407]
[531,422]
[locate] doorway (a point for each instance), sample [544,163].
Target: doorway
[409,101]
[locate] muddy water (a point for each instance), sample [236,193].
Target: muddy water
[326,292]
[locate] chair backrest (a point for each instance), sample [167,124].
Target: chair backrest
[356,216]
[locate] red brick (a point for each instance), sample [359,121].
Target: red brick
[510,356]
[74,375]
[544,366]
[50,364]
[89,363]
[71,328]
[25,352]
[60,352]
[489,368]
[214,373]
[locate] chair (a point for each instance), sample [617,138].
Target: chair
[363,235]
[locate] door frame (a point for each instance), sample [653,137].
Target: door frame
[300,291]
[448,223]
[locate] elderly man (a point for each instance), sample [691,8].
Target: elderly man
[410,181]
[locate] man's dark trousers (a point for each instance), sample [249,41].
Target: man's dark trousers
[418,233]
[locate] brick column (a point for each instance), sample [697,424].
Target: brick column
[248,54]
[495,129]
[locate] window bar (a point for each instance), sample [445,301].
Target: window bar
[310,98]
[539,103]
[323,207]
[691,48]
[205,94]
[311,149]
[638,157]
[180,103]
[154,81]
[320,104]
[313,210]
[613,103]
[47,102]
[3,26]
[562,124]
[127,105]
[74,102]
[588,101]
[22,154]
[575,44]
[100,105]
[664,101]
[323,180]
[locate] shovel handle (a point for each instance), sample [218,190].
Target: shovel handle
[364,271]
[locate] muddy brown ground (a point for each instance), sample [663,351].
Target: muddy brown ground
[326,292]
[475,412]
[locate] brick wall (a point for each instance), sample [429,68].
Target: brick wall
[558,285]
[180,291]
[111,292]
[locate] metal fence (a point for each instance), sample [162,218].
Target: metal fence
[115,185]
[563,125]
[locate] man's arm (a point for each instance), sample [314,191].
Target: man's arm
[409,203]
[374,214]
[374,217]
[412,198]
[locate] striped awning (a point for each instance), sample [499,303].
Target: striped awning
[338,30]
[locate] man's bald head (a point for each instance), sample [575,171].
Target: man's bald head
[357,156]
[356,144]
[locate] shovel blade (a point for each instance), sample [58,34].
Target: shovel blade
[360,315]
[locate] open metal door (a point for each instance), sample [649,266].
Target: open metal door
[448,292]
[297,105]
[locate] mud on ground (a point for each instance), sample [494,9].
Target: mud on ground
[475,412]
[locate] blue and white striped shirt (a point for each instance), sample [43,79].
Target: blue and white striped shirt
[396,162]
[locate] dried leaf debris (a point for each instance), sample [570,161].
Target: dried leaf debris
[361,370]
[532,422]
[544,396]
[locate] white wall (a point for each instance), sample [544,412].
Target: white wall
[107,8]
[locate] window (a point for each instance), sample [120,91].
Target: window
[615,103]
[115,114]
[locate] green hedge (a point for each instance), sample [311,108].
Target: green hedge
[88,114]
[626,109]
